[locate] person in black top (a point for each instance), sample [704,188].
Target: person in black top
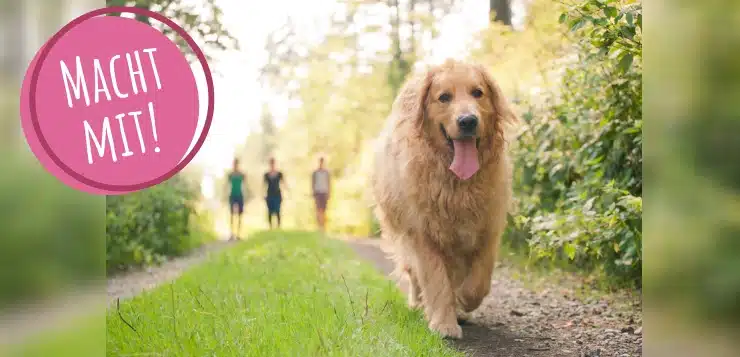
[273,180]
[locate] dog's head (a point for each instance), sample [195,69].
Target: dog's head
[462,111]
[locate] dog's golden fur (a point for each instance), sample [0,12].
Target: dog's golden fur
[444,231]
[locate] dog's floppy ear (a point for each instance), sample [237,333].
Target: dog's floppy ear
[413,98]
[503,111]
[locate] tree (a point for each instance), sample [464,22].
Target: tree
[400,65]
[501,11]
[344,89]
[45,17]
[286,51]
[202,22]
[420,18]
[268,131]
[408,24]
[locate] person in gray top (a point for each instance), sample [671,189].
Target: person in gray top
[321,189]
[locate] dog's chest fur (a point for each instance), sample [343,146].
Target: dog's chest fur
[420,197]
[452,211]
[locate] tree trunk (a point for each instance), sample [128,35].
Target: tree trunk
[501,11]
[13,59]
[412,23]
[398,63]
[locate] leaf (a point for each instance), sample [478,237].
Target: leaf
[589,204]
[611,11]
[630,19]
[570,250]
[625,62]
[600,21]
[577,25]
[627,31]
[563,18]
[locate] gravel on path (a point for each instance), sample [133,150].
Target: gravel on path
[534,314]
[132,283]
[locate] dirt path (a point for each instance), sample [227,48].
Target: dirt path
[135,282]
[529,314]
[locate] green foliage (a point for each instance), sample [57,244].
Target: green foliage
[577,77]
[615,28]
[202,22]
[579,157]
[146,227]
[343,91]
[528,59]
[52,234]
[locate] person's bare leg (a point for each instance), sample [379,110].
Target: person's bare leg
[239,226]
[231,222]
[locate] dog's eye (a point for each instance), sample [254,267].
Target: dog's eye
[477,93]
[445,97]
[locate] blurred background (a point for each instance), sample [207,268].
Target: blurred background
[52,265]
[297,80]
[692,275]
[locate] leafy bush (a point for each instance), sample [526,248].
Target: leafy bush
[148,226]
[52,235]
[579,159]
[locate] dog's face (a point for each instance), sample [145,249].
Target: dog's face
[463,110]
[459,103]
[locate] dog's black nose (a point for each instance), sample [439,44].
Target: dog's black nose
[467,123]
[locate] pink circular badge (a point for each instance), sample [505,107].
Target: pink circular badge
[110,105]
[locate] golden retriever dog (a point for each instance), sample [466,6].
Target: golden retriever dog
[442,186]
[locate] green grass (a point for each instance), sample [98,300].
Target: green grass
[275,294]
[82,336]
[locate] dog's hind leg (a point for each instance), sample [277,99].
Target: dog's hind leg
[414,288]
[403,269]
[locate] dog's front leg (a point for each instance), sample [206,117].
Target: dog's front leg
[437,294]
[477,284]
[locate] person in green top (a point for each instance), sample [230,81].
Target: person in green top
[236,198]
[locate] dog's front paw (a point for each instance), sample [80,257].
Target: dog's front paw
[451,330]
[462,316]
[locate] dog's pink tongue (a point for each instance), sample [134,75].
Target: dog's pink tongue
[465,163]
